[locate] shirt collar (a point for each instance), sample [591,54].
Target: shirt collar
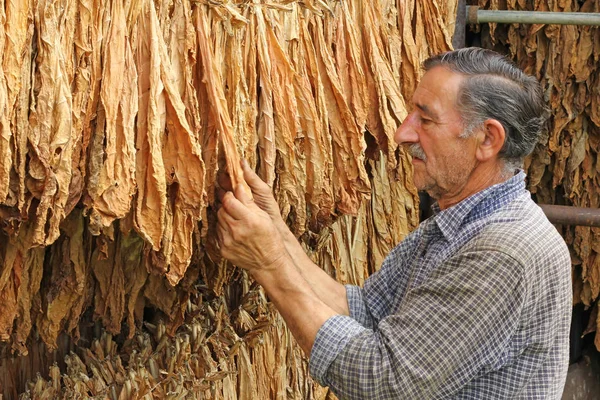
[478,205]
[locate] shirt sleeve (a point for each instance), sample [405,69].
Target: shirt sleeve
[443,334]
[369,304]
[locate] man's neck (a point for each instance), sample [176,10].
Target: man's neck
[482,177]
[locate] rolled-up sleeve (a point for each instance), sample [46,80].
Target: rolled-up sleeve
[440,337]
[358,306]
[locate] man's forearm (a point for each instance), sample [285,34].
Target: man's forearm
[303,312]
[331,292]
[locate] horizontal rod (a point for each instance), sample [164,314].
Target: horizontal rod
[477,16]
[565,215]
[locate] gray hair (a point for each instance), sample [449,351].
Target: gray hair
[495,88]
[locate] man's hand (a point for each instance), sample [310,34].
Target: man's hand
[261,192]
[250,240]
[253,235]
[247,234]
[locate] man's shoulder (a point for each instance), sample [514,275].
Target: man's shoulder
[522,230]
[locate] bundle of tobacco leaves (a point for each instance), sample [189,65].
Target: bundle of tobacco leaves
[116,117]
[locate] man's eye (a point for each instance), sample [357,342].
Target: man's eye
[426,121]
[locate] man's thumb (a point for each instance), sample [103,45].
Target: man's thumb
[243,194]
[250,176]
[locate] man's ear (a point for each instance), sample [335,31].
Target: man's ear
[492,140]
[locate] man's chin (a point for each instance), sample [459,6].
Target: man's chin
[430,189]
[419,183]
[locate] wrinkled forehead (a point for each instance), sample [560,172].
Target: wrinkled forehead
[438,90]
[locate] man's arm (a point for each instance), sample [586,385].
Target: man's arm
[444,333]
[303,311]
[325,287]
[250,240]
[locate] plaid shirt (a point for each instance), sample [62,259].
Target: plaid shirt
[474,304]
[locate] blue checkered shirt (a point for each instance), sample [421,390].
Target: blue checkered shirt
[474,304]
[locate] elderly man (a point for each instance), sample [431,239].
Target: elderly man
[476,302]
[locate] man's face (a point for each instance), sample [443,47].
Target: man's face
[442,160]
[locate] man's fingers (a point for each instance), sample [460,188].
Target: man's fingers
[224,226]
[242,194]
[233,207]
[250,176]
[225,220]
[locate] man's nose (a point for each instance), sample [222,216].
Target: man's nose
[406,132]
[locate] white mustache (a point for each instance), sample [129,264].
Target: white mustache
[416,150]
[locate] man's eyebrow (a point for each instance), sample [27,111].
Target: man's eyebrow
[426,110]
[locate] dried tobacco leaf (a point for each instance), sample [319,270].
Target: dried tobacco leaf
[6,149]
[185,171]
[109,301]
[151,180]
[64,290]
[392,108]
[27,297]
[112,193]
[15,58]
[10,283]
[292,87]
[290,174]
[213,78]
[266,118]
[347,142]
[50,136]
